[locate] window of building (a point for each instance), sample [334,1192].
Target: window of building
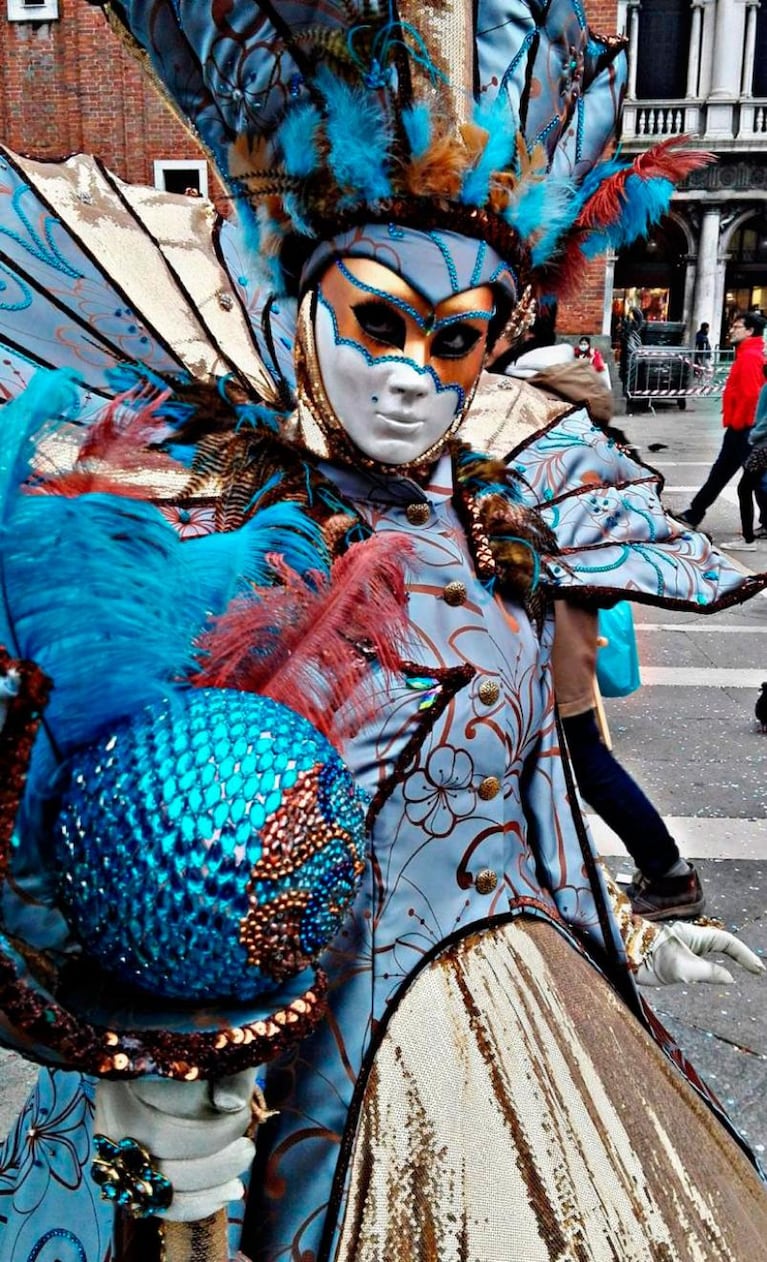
[662,55]
[759,84]
[32,10]
[181,175]
[748,244]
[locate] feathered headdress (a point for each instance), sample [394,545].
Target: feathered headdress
[495,120]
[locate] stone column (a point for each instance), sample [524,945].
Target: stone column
[707,48]
[728,42]
[747,82]
[709,267]
[690,277]
[633,33]
[693,64]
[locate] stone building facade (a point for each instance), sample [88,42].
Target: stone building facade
[698,68]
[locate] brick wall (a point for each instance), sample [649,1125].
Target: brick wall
[68,86]
[581,312]
[603,16]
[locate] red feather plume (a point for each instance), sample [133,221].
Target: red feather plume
[115,456]
[664,161]
[310,644]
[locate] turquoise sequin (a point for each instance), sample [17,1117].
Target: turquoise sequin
[161,826]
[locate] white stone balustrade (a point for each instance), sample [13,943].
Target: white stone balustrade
[753,119]
[660,120]
[656,120]
[651,121]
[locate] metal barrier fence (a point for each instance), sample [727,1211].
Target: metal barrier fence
[675,373]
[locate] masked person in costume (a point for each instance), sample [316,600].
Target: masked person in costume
[486,1082]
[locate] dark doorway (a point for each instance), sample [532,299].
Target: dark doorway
[651,274]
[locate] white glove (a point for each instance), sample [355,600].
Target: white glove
[678,955]
[194,1131]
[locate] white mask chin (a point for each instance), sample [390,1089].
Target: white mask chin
[392,410]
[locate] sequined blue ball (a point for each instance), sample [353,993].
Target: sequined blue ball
[209,848]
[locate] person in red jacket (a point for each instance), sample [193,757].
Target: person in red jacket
[738,410]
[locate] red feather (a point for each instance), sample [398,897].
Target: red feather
[90,482]
[664,161]
[310,646]
[115,456]
[130,417]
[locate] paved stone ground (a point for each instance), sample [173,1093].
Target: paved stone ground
[16,1078]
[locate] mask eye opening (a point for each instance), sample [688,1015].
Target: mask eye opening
[455,341]
[381,323]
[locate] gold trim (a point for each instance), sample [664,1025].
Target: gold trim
[203,1241]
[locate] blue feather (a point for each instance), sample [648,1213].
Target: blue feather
[256,227]
[223,565]
[297,137]
[498,155]
[416,120]
[295,209]
[49,394]
[542,210]
[644,203]
[359,137]
[559,213]
[108,600]
[100,600]
[259,416]
[104,596]
[526,212]
[126,377]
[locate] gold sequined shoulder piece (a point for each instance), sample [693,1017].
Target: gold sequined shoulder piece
[506,412]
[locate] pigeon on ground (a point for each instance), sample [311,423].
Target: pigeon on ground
[760,709]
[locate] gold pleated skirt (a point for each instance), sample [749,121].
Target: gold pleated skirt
[516,1110]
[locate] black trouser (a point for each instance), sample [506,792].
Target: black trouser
[610,791]
[750,489]
[732,455]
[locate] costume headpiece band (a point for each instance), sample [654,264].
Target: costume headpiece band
[434,263]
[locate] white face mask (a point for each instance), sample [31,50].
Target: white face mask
[396,370]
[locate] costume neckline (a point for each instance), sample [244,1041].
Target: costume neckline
[378,488]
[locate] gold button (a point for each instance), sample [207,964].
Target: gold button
[455,593]
[485,881]
[418,514]
[489,788]
[489,692]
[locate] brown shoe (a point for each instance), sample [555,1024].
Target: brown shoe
[667,897]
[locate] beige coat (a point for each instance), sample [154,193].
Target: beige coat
[574,659]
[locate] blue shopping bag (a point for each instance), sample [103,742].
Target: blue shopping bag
[618,659]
